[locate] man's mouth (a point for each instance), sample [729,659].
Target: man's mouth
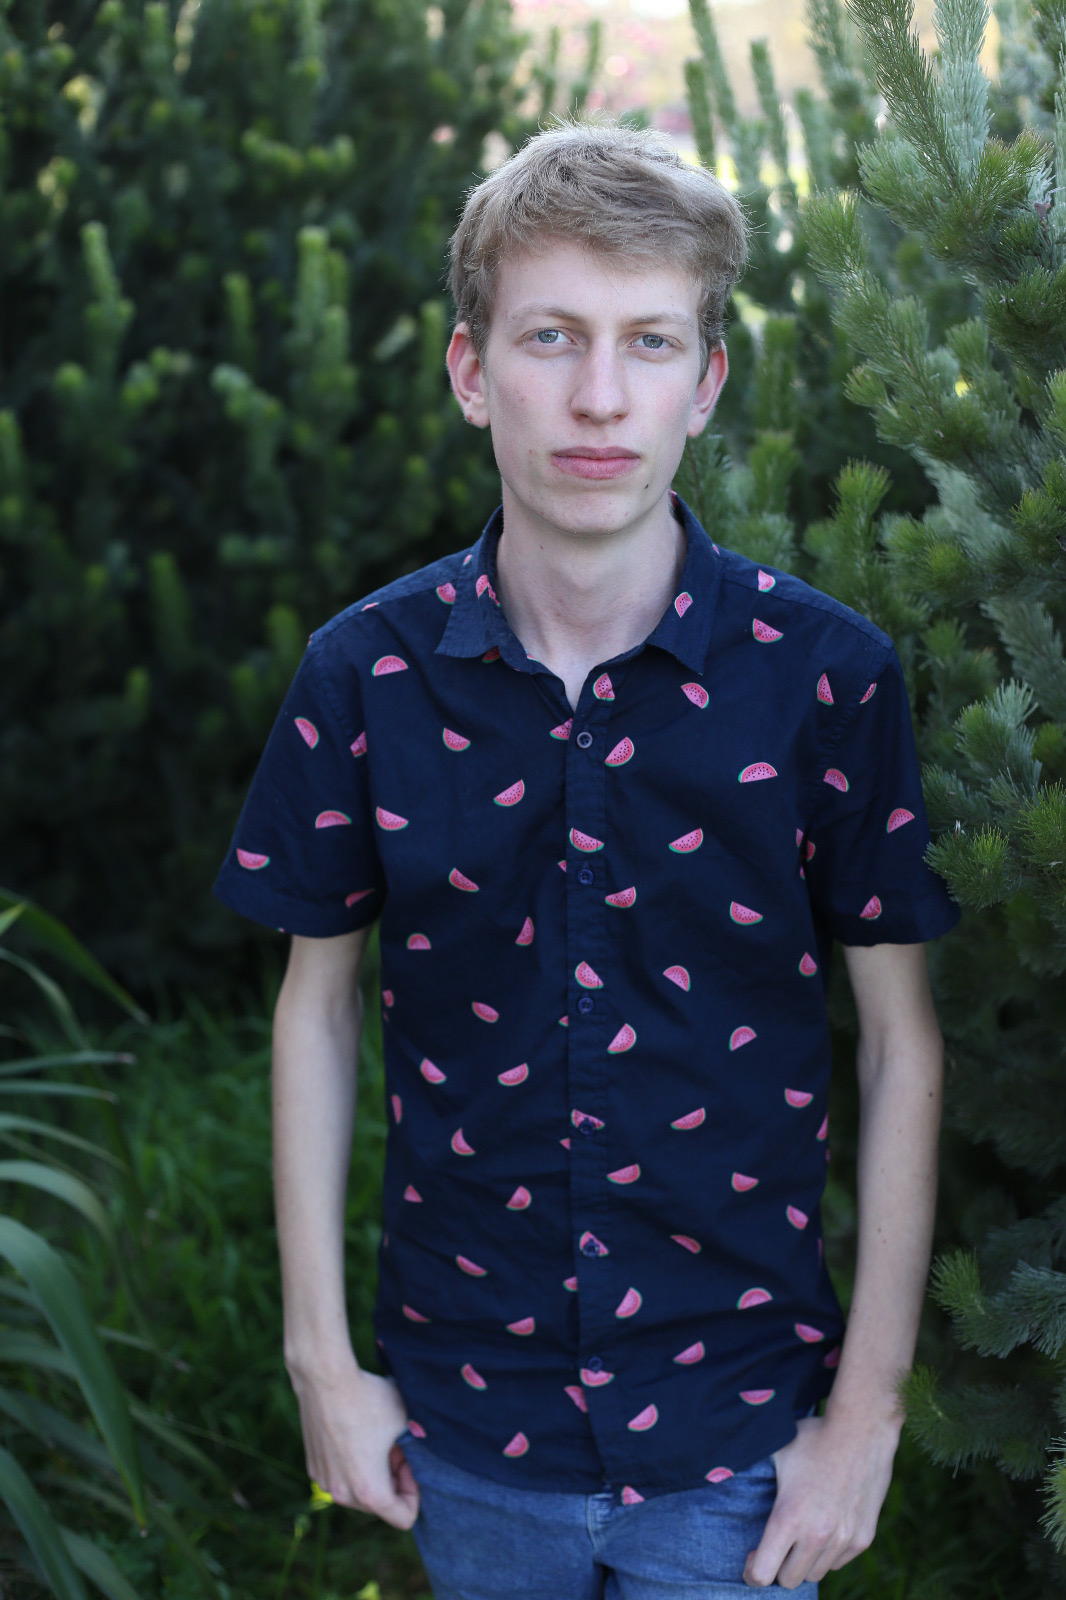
[595,461]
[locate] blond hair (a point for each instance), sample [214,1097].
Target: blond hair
[622,192]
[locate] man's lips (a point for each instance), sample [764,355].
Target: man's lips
[595,461]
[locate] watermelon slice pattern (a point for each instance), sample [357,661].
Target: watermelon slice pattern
[623,1038]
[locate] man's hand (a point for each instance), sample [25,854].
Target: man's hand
[351,1422]
[831,1484]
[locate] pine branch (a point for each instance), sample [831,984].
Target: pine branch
[1035,647]
[721,89]
[960,29]
[906,81]
[1006,1424]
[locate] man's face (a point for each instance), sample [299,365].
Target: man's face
[590,384]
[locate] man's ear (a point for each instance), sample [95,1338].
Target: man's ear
[710,387]
[467,376]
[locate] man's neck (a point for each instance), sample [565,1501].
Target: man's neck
[575,600]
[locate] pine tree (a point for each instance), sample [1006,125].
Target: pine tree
[974,591]
[223,410]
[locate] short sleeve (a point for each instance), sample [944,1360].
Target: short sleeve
[303,857]
[868,832]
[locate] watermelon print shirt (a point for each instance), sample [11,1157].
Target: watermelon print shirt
[605,935]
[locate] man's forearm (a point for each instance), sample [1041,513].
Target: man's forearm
[897,1166]
[316,1049]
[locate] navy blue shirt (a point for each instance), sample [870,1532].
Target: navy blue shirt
[604,943]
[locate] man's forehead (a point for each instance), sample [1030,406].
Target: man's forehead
[568,280]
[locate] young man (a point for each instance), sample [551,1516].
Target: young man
[611,792]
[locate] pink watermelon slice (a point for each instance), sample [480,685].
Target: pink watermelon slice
[764,633]
[808,1334]
[356,895]
[358,746]
[412,1194]
[586,977]
[622,752]
[511,796]
[413,1316]
[808,966]
[680,976]
[418,941]
[492,655]
[687,842]
[871,910]
[741,1036]
[570,1284]
[520,1200]
[386,664]
[757,1397]
[518,1446]
[252,861]
[824,692]
[602,688]
[691,1354]
[871,691]
[832,1359]
[687,1243]
[333,819]
[513,1075]
[682,603]
[744,914]
[623,898]
[595,1380]
[823,1131]
[898,819]
[416,1427]
[446,592]
[624,1039]
[798,1098]
[766,581]
[523,1327]
[836,780]
[629,1304]
[798,1218]
[584,841]
[459,880]
[643,1420]
[486,1013]
[741,1182]
[577,1396]
[716,1474]
[691,1119]
[471,1268]
[624,1174]
[563,729]
[397,1107]
[472,1377]
[757,772]
[526,935]
[753,1297]
[460,1144]
[389,820]
[454,741]
[308,732]
[631,1496]
[697,694]
[431,1072]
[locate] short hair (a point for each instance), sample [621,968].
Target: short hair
[620,191]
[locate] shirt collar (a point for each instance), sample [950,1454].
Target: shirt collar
[476,623]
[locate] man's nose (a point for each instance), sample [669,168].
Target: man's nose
[601,392]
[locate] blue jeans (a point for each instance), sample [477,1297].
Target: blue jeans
[480,1540]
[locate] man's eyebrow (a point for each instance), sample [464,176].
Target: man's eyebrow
[562,314]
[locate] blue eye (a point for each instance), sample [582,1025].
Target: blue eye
[656,341]
[548,335]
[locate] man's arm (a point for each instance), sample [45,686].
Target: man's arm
[350,1418]
[833,1477]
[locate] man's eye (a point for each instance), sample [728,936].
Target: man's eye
[548,336]
[653,341]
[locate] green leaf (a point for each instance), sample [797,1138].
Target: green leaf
[68,1058]
[56,1292]
[41,1532]
[64,1186]
[58,940]
[98,1565]
[11,1123]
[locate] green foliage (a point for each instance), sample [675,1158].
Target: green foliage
[974,591]
[54,1359]
[223,409]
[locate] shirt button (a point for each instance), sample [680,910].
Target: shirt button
[591,1248]
[594,1364]
[584,739]
[585,875]
[587,1127]
[585,1004]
